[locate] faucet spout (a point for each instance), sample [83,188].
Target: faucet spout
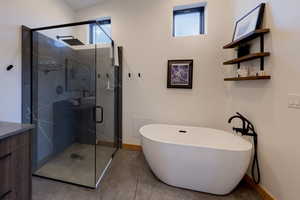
[247,125]
[233,117]
[242,130]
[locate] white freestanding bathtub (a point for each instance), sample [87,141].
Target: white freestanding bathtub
[195,158]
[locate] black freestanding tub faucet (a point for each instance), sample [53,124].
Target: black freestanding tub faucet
[248,130]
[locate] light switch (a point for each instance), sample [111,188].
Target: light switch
[294,101]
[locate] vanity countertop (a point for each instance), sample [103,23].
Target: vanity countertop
[8,129]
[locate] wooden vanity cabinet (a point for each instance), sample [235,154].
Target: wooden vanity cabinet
[15,167]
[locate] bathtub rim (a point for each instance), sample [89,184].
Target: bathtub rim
[197,146]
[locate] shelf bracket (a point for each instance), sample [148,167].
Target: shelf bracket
[262,49]
[238,64]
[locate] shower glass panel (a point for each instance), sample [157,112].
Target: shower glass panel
[73,106]
[106,94]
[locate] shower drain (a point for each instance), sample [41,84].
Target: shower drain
[76,156]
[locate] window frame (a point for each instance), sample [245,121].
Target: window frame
[91,28]
[200,9]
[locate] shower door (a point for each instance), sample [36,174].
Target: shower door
[73,103]
[106,105]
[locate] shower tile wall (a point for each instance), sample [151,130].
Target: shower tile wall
[51,76]
[86,57]
[53,96]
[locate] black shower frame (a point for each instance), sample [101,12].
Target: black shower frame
[100,22]
[28,79]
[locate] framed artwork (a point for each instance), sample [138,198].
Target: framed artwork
[249,23]
[180,74]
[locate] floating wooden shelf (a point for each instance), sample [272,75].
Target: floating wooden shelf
[247,58]
[248,78]
[247,38]
[255,34]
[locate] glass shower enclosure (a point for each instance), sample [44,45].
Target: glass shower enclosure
[74,88]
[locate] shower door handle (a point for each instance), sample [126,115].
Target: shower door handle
[96,115]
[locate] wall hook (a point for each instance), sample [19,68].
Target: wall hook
[9,67]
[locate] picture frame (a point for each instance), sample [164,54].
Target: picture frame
[180,74]
[249,23]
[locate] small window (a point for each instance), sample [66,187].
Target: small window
[97,35]
[188,21]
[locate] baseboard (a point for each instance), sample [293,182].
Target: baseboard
[132,147]
[105,143]
[261,191]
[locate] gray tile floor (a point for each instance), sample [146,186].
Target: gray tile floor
[81,170]
[129,178]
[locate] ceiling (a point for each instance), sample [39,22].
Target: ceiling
[79,4]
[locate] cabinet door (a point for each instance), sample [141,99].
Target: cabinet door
[5,176]
[21,169]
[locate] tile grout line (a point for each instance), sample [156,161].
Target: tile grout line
[136,186]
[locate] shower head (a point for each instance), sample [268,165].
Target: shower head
[72,41]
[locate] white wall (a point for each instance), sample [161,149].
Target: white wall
[13,14]
[266,102]
[144,29]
